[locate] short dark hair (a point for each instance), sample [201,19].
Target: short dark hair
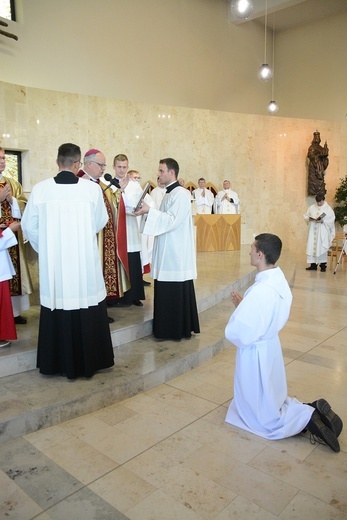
[171,165]
[319,197]
[68,153]
[120,157]
[270,245]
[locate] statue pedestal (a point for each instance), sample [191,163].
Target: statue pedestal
[218,232]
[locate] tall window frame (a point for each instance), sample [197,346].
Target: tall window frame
[14,165]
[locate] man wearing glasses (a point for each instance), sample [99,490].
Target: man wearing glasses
[111,239]
[61,220]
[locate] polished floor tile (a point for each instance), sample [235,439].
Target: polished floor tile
[167,454]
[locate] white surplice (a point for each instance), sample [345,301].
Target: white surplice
[320,235]
[7,239]
[261,404]
[203,203]
[157,195]
[61,222]
[224,206]
[174,258]
[131,196]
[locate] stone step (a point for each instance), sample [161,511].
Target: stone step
[30,401]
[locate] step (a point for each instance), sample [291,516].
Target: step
[30,401]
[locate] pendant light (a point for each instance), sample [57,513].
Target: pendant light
[241,8]
[272,106]
[265,72]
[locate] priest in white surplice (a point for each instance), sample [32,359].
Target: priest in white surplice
[174,259]
[261,404]
[203,198]
[227,201]
[321,231]
[61,221]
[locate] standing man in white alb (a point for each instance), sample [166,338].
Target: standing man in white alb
[321,231]
[131,194]
[203,198]
[227,200]
[61,220]
[175,314]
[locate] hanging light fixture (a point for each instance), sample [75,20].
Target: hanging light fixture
[241,8]
[265,72]
[272,106]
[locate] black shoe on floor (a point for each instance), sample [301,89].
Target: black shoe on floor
[110,320]
[138,303]
[19,320]
[318,429]
[328,416]
[313,267]
[323,267]
[146,284]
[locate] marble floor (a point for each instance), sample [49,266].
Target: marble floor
[167,454]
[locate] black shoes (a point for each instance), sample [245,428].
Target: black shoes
[314,267]
[19,320]
[328,416]
[322,433]
[138,303]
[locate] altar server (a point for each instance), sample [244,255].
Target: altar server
[61,221]
[174,259]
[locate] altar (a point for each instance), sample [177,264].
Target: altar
[218,232]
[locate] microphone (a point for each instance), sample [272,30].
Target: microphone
[111,180]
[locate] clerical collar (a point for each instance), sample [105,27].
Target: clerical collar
[66,177]
[172,186]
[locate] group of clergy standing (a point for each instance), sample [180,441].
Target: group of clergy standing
[87,237]
[72,291]
[226,200]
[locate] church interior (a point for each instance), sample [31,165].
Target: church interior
[148,439]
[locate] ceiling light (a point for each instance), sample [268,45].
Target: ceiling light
[241,8]
[265,72]
[272,107]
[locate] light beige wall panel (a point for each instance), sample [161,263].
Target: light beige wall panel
[263,156]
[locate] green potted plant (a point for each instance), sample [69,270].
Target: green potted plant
[341,199]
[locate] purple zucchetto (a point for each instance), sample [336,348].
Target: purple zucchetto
[92,151]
